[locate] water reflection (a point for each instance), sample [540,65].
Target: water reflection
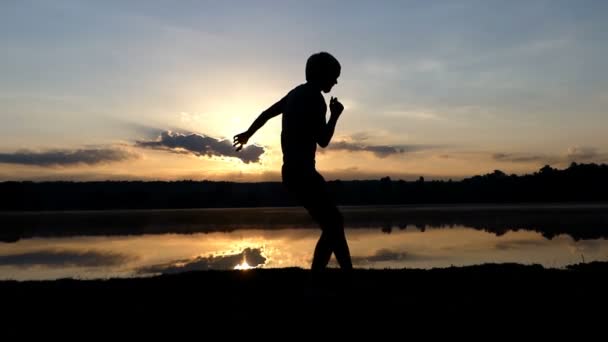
[142,255]
[578,221]
[65,258]
[246,259]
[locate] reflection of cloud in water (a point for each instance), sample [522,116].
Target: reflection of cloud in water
[65,258]
[387,255]
[585,247]
[519,244]
[253,257]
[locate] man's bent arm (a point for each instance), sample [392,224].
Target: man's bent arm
[327,131]
[266,115]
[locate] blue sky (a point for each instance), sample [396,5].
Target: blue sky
[456,88]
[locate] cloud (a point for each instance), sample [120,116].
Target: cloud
[355,144]
[589,247]
[67,157]
[387,255]
[573,154]
[253,256]
[583,154]
[380,151]
[360,136]
[388,68]
[148,131]
[384,255]
[201,145]
[524,158]
[65,258]
[415,114]
[519,244]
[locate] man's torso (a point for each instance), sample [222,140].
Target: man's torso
[303,116]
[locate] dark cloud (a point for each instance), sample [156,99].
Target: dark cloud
[65,258]
[387,255]
[573,154]
[384,255]
[519,244]
[253,256]
[360,136]
[201,145]
[381,151]
[66,157]
[520,158]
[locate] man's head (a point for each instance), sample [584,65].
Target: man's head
[323,70]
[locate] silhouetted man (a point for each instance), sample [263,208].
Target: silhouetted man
[304,127]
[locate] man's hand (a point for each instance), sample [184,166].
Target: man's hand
[335,107]
[241,139]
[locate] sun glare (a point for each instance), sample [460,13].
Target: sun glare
[243,266]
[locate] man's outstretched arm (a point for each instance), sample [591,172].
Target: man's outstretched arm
[274,110]
[327,130]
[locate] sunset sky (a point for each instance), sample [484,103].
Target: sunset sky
[94,90]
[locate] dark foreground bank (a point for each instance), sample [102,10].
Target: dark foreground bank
[278,292]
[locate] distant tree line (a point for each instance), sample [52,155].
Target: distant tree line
[577,183]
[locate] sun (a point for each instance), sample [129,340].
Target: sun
[243,266]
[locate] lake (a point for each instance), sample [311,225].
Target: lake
[88,245]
